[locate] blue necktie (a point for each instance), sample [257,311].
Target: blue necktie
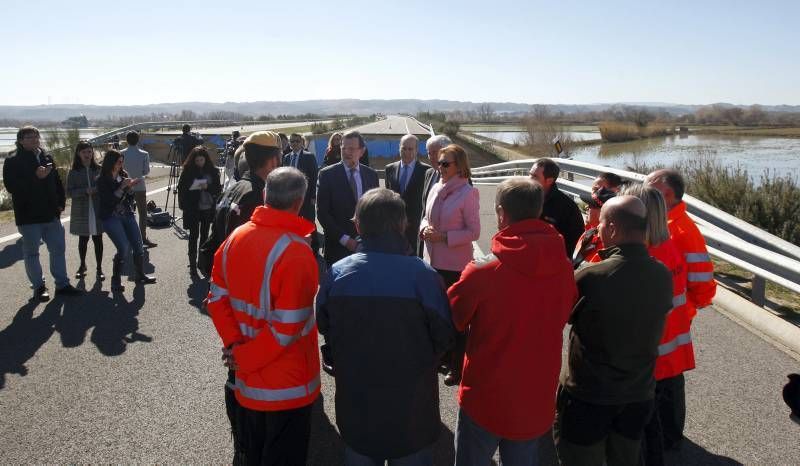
[403,177]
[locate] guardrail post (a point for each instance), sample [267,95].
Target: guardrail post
[758,291]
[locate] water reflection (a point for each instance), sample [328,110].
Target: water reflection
[780,156]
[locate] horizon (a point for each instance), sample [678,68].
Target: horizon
[516,52]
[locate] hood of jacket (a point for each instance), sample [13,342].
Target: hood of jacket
[530,247]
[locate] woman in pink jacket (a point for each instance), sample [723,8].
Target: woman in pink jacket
[450,225]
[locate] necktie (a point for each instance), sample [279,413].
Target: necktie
[403,177]
[352,180]
[294,160]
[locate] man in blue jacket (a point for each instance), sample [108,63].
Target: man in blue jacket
[386,320]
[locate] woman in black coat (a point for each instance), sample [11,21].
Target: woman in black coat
[198,189]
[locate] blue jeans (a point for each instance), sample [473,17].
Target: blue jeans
[423,457]
[124,233]
[476,446]
[52,234]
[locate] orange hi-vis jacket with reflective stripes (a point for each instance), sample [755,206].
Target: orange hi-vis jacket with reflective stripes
[261,298]
[675,351]
[701,286]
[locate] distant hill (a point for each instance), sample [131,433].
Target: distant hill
[322,107]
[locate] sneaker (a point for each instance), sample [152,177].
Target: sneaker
[41,294]
[149,243]
[68,290]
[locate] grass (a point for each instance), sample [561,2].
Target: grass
[621,131]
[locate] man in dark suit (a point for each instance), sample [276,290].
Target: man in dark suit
[339,186]
[432,146]
[407,177]
[304,161]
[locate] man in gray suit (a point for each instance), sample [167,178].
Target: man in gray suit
[339,186]
[433,146]
[407,177]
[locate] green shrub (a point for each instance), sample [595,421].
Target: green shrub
[773,205]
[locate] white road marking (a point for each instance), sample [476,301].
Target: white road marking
[16,236]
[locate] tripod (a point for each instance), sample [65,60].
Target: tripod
[174,161]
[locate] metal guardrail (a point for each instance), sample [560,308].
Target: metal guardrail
[765,255]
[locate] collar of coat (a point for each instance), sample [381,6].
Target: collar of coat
[678,211]
[624,250]
[266,216]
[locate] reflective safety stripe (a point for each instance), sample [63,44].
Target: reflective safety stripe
[290,316]
[277,251]
[277,394]
[701,276]
[248,330]
[284,316]
[264,311]
[695,257]
[249,309]
[678,300]
[670,346]
[286,340]
[217,292]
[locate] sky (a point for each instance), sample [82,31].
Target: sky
[527,51]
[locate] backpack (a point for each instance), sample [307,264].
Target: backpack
[228,215]
[156,217]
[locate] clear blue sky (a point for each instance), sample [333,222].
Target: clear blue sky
[693,52]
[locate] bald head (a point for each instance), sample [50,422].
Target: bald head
[623,219]
[670,183]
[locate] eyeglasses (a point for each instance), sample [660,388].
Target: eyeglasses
[445,163]
[295,141]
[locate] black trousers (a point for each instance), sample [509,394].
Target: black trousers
[665,429]
[587,434]
[274,438]
[198,230]
[454,359]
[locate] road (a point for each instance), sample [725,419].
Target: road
[138,379]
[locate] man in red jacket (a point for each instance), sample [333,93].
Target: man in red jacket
[516,302]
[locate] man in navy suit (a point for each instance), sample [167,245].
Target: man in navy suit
[339,186]
[407,178]
[304,161]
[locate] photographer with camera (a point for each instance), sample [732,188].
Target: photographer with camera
[187,141]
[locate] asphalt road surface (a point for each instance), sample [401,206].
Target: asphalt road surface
[138,378]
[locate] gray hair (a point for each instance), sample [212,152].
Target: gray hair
[407,137]
[285,185]
[437,142]
[657,229]
[380,211]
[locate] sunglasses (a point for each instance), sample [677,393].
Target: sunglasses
[445,163]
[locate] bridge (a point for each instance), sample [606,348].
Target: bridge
[139,379]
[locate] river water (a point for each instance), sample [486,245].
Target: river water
[9,135]
[757,155]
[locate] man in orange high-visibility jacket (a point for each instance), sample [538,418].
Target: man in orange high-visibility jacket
[700,286]
[261,301]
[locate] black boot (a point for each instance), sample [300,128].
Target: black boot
[138,265]
[116,275]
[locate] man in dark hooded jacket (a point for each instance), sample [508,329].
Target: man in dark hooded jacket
[516,302]
[385,317]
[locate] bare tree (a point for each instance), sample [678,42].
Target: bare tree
[485,112]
